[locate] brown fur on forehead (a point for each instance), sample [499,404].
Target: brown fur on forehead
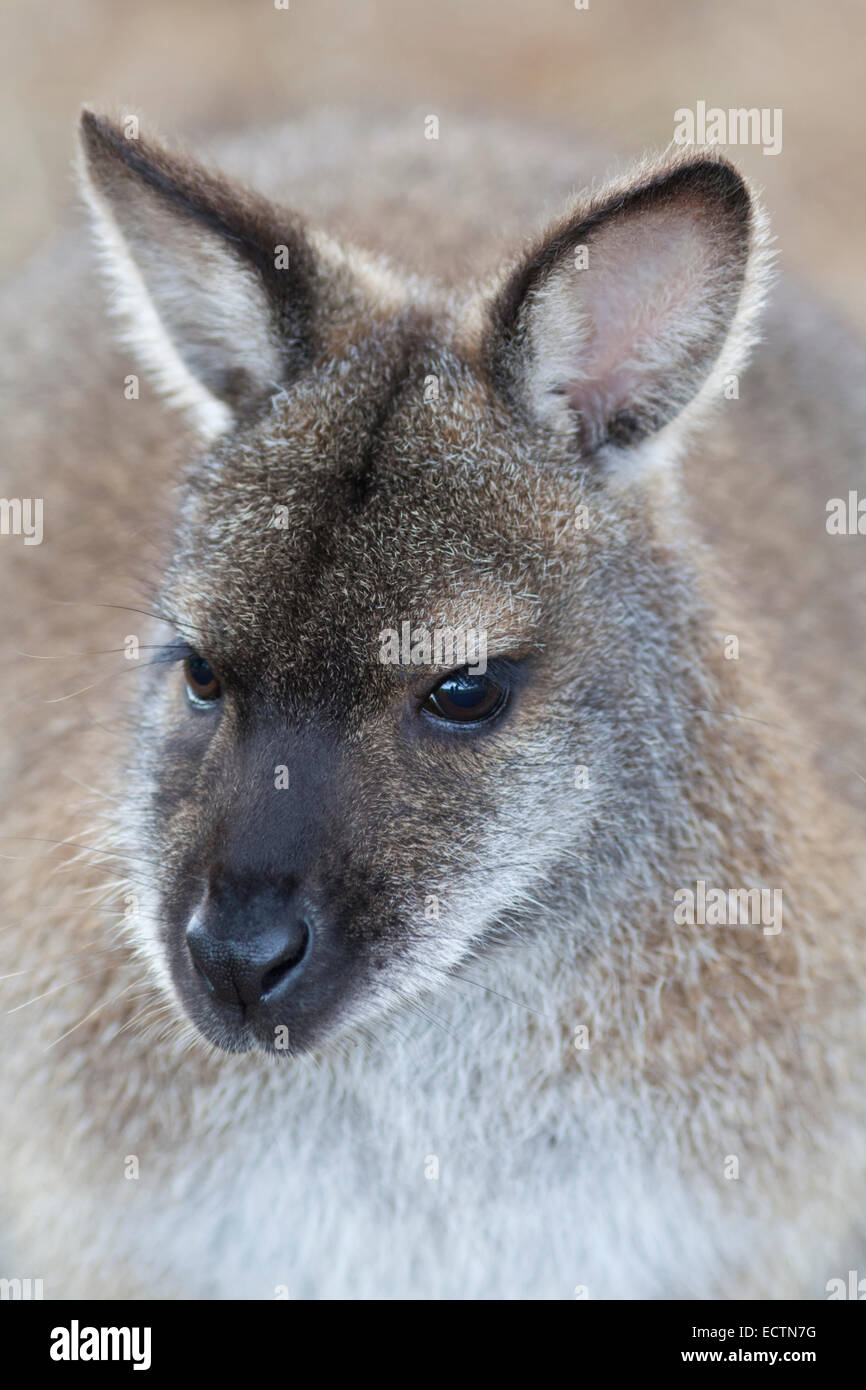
[395,507]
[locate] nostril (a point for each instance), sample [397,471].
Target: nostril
[213,961]
[245,945]
[290,959]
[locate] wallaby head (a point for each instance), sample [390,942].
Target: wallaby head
[435,636]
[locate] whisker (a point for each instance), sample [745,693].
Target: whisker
[92,1014]
[123,608]
[84,689]
[21,921]
[164,1008]
[416,1008]
[70,844]
[488,989]
[72,955]
[55,989]
[105,651]
[95,790]
[777,728]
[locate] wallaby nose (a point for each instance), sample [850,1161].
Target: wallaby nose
[247,946]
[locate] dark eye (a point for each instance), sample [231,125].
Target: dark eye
[466,699]
[202,686]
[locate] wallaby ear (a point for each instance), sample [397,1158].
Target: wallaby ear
[215,285]
[613,323]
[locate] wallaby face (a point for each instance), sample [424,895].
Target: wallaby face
[427,613]
[482,644]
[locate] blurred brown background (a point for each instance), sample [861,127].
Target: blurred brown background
[619,70]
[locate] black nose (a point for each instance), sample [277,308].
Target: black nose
[249,944]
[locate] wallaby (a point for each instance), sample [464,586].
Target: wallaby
[432,863]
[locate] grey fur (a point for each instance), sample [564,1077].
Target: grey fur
[560,1167]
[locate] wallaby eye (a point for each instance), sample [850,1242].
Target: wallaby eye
[202,686]
[466,699]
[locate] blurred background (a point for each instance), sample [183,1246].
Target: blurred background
[617,70]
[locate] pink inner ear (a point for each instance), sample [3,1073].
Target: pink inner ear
[619,329]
